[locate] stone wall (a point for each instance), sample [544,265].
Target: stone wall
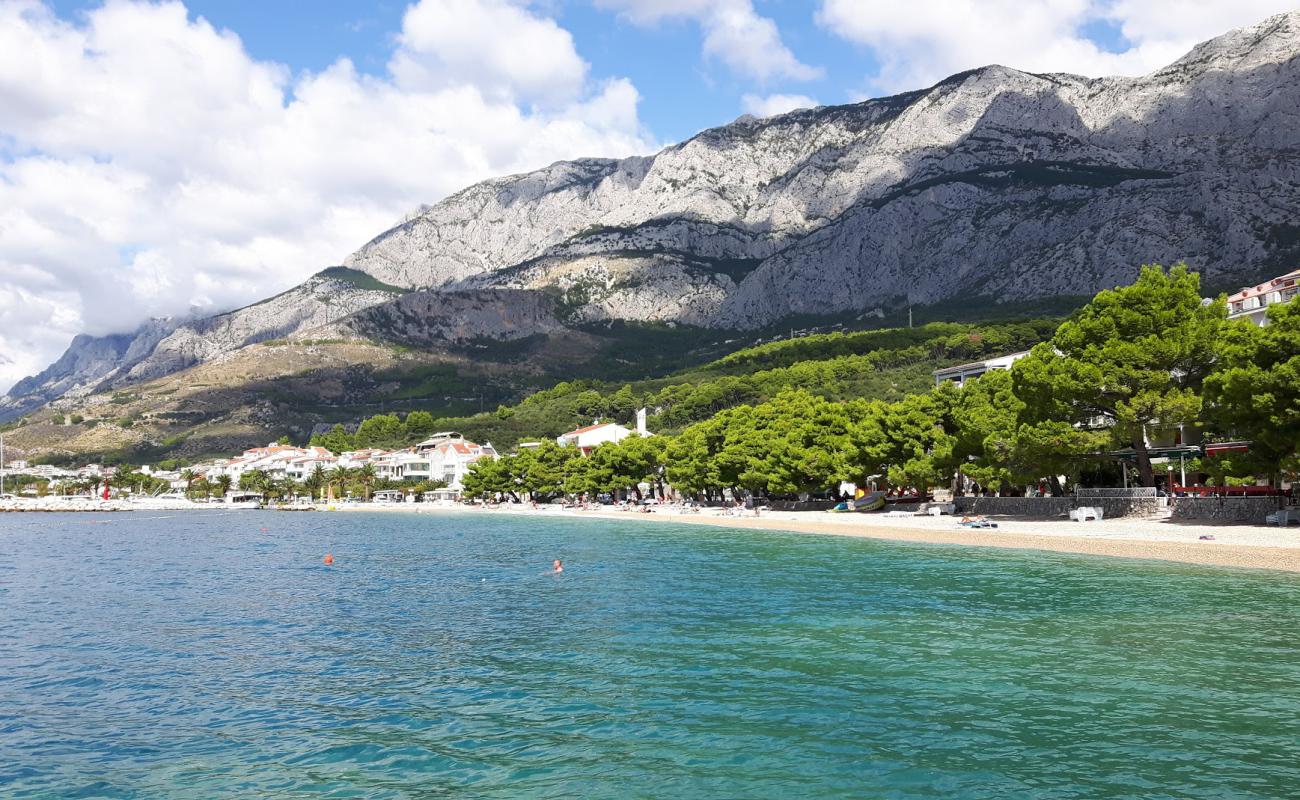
[1042,507]
[1226,509]
[1051,507]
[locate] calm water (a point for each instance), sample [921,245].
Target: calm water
[215,656]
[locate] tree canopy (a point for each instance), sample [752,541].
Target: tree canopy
[1132,358]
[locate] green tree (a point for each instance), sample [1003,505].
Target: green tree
[1254,392]
[904,443]
[808,439]
[381,430]
[985,413]
[627,464]
[541,470]
[588,476]
[1133,358]
[337,478]
[255,481]
[337,440]
[419,424]
[223,483]
[490,476]
[689,459]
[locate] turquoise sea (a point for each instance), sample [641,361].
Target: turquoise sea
[213,655]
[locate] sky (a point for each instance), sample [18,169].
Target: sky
[172,158]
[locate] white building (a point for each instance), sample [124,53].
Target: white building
[451,459]
[402,465]
[445,457]
[1252,302]
[300,468]
[277,460]
[360,458]
[592,436]
[964,372]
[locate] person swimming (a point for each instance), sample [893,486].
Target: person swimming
[557,566]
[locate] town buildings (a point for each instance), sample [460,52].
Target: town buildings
[1252,302]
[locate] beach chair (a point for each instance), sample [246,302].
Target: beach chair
[1283,517]
[938,509]
[1085,513]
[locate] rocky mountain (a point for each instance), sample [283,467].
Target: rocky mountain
[993,183]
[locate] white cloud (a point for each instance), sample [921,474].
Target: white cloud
[773,104]
[923,41]
[501,48]
[149,164]
[734,33]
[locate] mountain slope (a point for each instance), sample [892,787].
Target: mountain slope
[992,182]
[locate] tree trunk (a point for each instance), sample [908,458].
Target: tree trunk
[1146,475]
[957,483]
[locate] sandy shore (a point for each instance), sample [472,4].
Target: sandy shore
[1246,546]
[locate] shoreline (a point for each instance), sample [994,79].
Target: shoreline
[1235,545]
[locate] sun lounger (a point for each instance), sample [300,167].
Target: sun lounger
[1283,517]
[1085,513]
[938,509]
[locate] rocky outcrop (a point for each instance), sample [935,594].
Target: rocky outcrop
[422,319]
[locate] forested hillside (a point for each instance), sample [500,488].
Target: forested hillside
[876,365]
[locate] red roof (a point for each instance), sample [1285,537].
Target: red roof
[589,428]
[1267,286]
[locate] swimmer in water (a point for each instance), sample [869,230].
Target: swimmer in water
[557,566]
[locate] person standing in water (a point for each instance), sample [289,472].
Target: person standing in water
[557,566]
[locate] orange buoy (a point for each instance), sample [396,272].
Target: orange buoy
[329,559]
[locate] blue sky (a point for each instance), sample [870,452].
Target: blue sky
[190,156]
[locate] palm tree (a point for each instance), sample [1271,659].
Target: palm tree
[188,475]
[223,485]
[337,477]
[316,482]
[366,476]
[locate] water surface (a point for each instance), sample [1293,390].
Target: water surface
[213,655]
